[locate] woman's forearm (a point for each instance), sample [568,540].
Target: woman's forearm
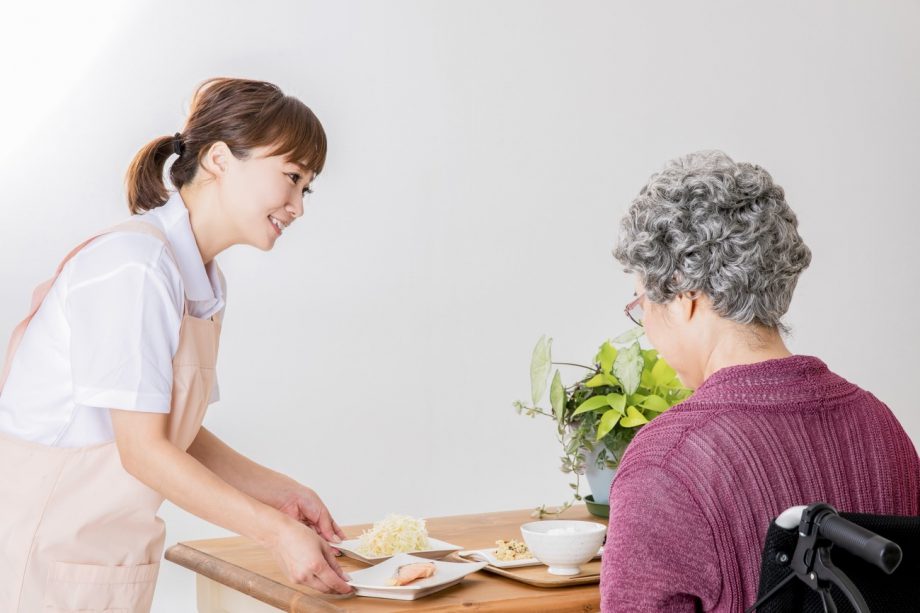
[192,486]
[261,483]
[152,459]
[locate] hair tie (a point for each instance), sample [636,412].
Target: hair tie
[178,145]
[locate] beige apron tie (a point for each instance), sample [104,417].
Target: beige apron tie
[77,532]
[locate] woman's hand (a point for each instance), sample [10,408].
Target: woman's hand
[306,559]
[304,505]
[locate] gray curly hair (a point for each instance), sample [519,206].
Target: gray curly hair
[710,224]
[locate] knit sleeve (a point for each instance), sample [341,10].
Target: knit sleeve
[659,554]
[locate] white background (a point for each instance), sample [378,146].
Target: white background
[481,154]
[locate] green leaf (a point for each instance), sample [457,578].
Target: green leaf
[636,399]
[628,337]
[539,368]
[655,403]
[602,379]
[591,404]
[650,356]
[605,357]
[633,418]
[557,396]
[572,445]
[628,368]
[646,380]
[662,373]
[608,421]
[617,402]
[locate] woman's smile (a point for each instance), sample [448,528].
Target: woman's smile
[277,224]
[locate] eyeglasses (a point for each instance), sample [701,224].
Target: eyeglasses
[635,311]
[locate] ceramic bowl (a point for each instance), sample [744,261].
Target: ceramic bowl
[563,545]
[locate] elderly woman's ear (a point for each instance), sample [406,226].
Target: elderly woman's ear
[684,308]
[688,305]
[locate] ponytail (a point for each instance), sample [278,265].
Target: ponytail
[144,179]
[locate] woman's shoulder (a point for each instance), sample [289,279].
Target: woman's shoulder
[690,435]
[125,257]
[661,436]
[120,247]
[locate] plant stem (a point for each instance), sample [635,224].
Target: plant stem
[594,368]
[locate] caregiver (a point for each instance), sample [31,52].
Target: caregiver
[109,377]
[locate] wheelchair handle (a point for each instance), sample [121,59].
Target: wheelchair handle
[862,543]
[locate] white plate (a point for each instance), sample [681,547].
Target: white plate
[488,555]
[436,549]
[373,581]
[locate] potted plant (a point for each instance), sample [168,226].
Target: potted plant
[597,416]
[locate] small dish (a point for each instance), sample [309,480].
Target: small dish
[488,555]
[372,582]
[436,549]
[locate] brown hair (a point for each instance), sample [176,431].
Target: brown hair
[243,114]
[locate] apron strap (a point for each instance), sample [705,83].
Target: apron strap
[38,295]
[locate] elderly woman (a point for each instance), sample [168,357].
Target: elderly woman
[716,256]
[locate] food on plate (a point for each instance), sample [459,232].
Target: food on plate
[407,573]
[512,550]
[393,534]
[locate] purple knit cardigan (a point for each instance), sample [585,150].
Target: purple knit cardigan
[698,486]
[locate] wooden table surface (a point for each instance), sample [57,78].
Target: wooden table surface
[241,564]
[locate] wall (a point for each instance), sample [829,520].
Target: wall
[481,154]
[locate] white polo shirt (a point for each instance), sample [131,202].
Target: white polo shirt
[105,335]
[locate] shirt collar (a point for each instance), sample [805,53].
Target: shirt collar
[202,283]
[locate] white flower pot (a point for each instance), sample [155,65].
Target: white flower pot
[599,479]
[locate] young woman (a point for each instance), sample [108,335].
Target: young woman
[107,380]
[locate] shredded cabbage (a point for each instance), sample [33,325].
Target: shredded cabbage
[393,534]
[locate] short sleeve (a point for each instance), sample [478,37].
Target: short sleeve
[659,554]
[124,308]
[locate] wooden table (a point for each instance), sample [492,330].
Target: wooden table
[235,575]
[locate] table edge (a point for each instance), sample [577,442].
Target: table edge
[268,591]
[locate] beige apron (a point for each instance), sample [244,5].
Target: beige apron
[77,532]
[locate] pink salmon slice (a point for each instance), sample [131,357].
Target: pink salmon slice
[407,573]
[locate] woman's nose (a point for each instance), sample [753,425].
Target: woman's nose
[295,206]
